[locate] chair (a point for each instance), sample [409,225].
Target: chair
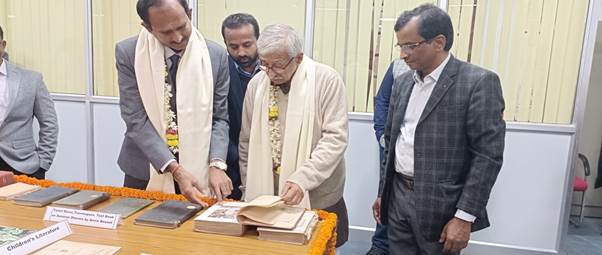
[580,185]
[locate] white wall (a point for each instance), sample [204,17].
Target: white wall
[108,135]
[70,161]
[526,204]
[361,186]
[590,136]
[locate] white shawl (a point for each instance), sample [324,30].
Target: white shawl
[297,136]
[194,97]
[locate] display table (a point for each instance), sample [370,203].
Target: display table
[136,239]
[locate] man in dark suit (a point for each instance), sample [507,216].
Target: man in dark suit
[240,32]
[444,141]
[24,96]
[168,22]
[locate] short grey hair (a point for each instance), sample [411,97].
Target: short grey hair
[278,37]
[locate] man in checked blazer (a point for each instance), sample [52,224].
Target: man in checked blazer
[24,96]
[444,141]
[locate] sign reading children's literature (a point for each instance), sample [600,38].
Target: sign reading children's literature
[37,240]
[82,217]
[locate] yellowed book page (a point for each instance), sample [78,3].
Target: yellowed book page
[276,217]
[265,201]
[270,211]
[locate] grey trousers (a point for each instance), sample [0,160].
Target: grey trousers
[404,232]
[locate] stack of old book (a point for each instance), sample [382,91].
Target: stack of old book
[274,220]
[300,234]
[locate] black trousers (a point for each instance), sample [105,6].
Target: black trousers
[405,236]
[39,174]
[340,209]
[135,183]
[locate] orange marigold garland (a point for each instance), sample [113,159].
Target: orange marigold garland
[114,191]
[326,239]
[324,243]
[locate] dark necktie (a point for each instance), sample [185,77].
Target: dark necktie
[173,70]
[175,61]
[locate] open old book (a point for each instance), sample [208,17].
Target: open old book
[270,211]
[234,218]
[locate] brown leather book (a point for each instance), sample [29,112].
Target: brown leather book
[6,178]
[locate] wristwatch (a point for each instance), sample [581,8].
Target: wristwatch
[219,164]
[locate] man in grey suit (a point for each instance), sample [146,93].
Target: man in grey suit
[444,141]
[24,96]
[169,22]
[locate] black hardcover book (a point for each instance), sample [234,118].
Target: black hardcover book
[169,214]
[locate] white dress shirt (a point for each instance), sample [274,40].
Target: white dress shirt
[404,146]
[4,92]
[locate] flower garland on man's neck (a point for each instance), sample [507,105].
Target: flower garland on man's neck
[274,129]
[171,132]
[323,243]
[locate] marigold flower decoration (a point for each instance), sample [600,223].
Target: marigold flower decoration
[323,243]
[114,191]
[326,238]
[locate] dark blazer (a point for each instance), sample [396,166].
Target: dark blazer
[236,96]
[458,145]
